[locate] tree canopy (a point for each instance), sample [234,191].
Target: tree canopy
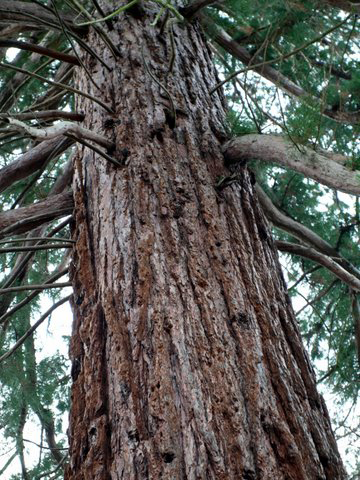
[290,73]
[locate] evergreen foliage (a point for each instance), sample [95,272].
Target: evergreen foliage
[325,116]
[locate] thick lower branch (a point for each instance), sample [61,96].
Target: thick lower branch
[26,218]
[277,149]
[32,160]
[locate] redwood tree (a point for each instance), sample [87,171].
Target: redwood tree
[187,359]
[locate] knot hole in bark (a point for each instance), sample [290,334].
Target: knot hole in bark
[168,457]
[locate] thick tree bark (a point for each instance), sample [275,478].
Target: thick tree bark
[187,359]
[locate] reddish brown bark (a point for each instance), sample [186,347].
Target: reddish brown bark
[187,359]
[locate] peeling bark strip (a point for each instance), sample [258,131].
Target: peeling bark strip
[187,359]
[279,150]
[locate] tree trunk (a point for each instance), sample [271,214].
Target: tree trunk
[187,359]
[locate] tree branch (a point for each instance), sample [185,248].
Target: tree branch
[34,327]
[264,69]
[63,86]
[26,218]
[32,160]
[34,248]
[62,128]
[277,149]
[347,6]
[355,311]
[55,276]
[301,232]
[46,115]
[32,47]
[317,257]
[194,7]
[33,14]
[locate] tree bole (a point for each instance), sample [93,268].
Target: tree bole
[187,359]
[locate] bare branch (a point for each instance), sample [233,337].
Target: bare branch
[99,152]
[55,276]
[46,115]
[347,6]
[263,63]
[355,311]
[324,260]
[34,327]
[62,128]
[301,232]
[194,7]
[26,218]
[43,286]
[32,47]
[265,70]
[277,149]
[63,86]
[33,239]
[33,14]
[34,248]
[32,161]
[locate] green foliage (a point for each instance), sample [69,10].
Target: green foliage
[236,126]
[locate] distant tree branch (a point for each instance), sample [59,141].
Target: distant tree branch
[33,14]
[355,311]
[8,462]
[43,286]
[194,7]
[347,6]
[51,472]
[32,47]
[327,374]
[19,437]
[34,248]
[42,446]
[333,70]
[55,276]
[33,239]
[34,327]
[277,149]
[264,69]
[62,86]
[324,260]
[301,232]
[283,57]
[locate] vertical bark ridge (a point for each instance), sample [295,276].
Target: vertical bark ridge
[187,359]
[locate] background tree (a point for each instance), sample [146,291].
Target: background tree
[138,95]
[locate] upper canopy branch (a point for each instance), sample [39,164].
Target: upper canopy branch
[195,6]
[270,73]
[33,14]
[352,7]
[277,149]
